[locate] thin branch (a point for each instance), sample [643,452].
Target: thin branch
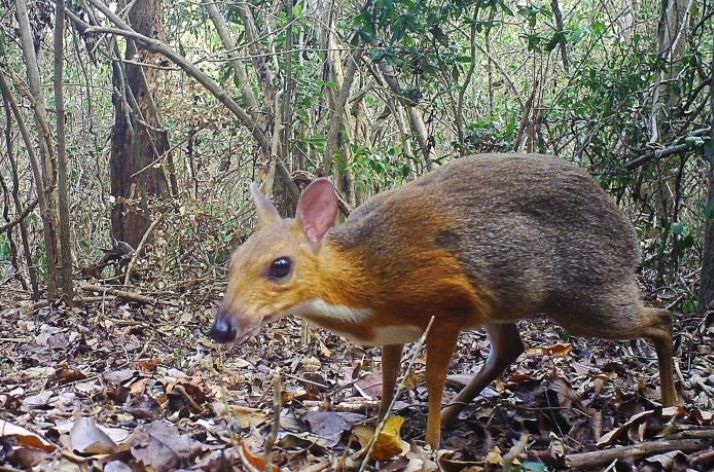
[229,43]
[64,236]
[28,209]
[336,122]
[139,248]
[664,152]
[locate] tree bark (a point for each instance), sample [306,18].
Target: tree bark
[138,140]
[416,119]
[672,33]
[47,180]
[561,28]
[61,146]
[221,95]
[706,294]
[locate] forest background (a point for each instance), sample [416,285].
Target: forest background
[171,109]
[131,131]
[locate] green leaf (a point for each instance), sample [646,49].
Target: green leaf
[505,7]
[599,28]
[534,466]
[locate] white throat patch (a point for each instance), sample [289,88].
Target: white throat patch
[320,308]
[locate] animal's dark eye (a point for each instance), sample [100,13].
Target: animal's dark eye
[280,268]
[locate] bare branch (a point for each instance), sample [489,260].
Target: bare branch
[20,218]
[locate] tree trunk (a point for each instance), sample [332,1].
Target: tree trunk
[45,170]
[65,238]
[671,39]
[706,294]
[139,144]
[31,270]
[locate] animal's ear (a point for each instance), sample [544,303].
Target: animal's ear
[267,213]
[317,209]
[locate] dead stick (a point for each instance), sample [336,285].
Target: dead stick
[139,248]
[693,434]
[587,460]
[380,426]
[277,409]
[514,452]
[128,295]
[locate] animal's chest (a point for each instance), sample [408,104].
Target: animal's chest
[359,325]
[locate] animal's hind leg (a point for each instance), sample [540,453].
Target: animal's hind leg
[659,331]
[506,346]
[621,316]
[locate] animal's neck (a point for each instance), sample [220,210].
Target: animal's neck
[344,279]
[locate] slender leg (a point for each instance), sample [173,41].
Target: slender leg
[391,357]
[629,322]
[506,346]
[660,333]
[440,344]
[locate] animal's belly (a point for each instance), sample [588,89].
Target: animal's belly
[386,335]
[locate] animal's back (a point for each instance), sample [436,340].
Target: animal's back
[533,232]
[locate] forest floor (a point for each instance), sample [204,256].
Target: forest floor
[118,386]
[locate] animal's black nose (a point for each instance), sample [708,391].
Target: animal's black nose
[222,331]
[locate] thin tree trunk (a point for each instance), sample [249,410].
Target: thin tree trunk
[50,217]
[671,32]
[9,236]
[62,185]
[706,294]
[230,44]
[561,28]
[416,120]
[31,271]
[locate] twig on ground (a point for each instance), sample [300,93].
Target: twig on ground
[417,348]
[128,295]
[277,409]
[513,453]
[308,382]
[358,406]
[586,460]
[246,462]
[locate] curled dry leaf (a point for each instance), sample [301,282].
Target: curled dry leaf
[25,437]
[370,385]
[389,444]
[494,457]
[255,460]
[87,439]
[162,448]
[635,427]
[331,424]
[28,457]
[247,417]
[448,463]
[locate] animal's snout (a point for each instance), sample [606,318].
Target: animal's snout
[223,331]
